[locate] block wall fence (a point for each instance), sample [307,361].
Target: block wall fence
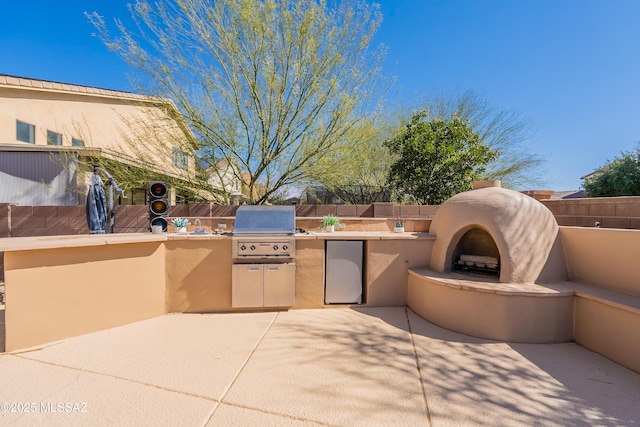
[21,221]
[610,212]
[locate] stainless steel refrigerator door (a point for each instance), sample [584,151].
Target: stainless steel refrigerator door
[343,276]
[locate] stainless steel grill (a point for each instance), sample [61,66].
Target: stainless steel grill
[263,249]
[265,220]
[264,232]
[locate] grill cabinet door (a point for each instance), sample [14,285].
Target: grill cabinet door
[279,285]
[246,285]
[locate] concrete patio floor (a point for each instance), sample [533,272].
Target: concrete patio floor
[331,367]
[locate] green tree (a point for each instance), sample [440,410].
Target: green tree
[271,86]
[619,177]
[504,131]
[436,159]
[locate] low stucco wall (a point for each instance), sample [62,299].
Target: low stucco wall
[198,275]
[387,266]
[603,257]
[611,331]
[512,316]
[58,293]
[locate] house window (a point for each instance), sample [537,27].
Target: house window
[54,138]
[25,132]
[180,159]
[75,142]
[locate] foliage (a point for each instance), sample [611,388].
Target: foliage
[129,174]
[362,177]
[436,159]
[504,131]
[271,86]
[329,220]
[359,164]
[128,154]
[180,222]
[619,177]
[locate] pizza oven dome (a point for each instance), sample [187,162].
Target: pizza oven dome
[523,230]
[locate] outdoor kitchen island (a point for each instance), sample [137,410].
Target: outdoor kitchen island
[62,286]
[199,269]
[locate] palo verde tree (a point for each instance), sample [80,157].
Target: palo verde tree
[619,177]
[436,159]
[359,164]
[270,86]
[148,143]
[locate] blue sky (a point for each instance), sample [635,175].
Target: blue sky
[571,67]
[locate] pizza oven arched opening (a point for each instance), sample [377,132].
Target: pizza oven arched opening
[476,253]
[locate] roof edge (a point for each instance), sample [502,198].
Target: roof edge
[8,80]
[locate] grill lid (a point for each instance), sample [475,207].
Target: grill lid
[258,219]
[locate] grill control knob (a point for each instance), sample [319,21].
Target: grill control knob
[275,247]
[243,248]
[285,247]
[253,248]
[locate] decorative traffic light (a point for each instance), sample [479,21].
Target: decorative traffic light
[158,204]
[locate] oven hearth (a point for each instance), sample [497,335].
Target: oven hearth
[476,252]
[477,264]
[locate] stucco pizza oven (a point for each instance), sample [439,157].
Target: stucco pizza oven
[492,223]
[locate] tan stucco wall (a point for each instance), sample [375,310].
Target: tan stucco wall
[64,286]
[608,330]
[198,275]
[58,293]
[309,273]
[387,263]
[604,257]
[514,318]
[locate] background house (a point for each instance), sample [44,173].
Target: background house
[51,133]
[224,176]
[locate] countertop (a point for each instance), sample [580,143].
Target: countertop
[70,241]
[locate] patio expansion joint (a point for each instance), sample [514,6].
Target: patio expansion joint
[88,371]
[263,411]
[237,375]
[278,414]
[415,355]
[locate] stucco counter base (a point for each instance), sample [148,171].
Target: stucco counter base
[525,313]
